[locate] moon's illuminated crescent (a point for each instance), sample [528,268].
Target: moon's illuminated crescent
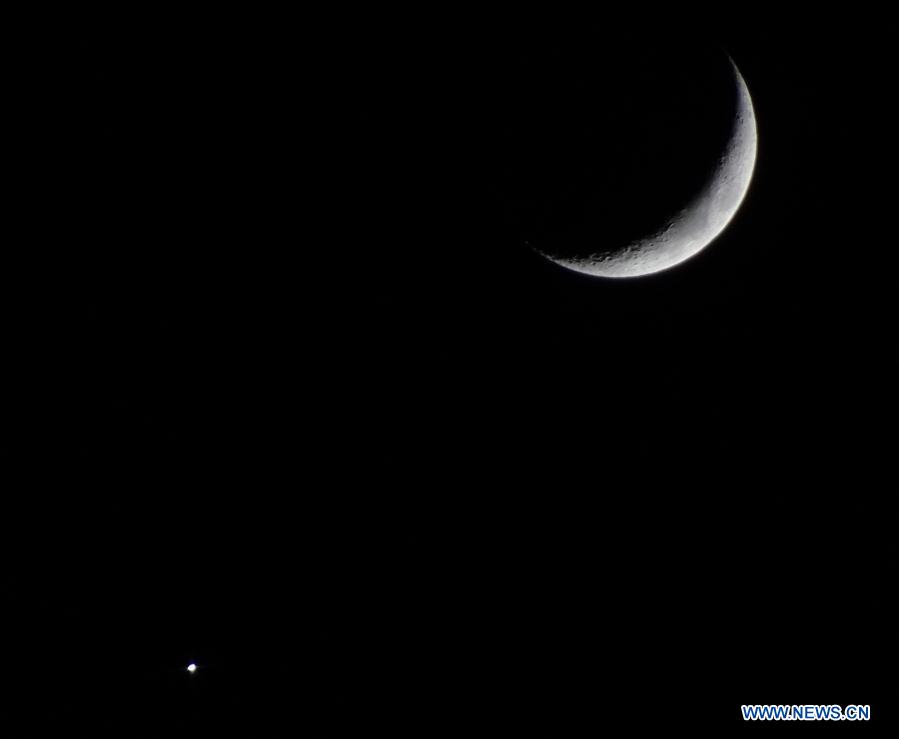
[695,225]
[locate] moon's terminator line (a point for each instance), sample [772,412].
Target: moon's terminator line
[699,222]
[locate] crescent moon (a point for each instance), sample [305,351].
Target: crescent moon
[700,221]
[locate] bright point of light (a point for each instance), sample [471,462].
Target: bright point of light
[191,667]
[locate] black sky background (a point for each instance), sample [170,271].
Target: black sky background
[288,395]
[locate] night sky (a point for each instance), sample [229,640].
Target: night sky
[289,396]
